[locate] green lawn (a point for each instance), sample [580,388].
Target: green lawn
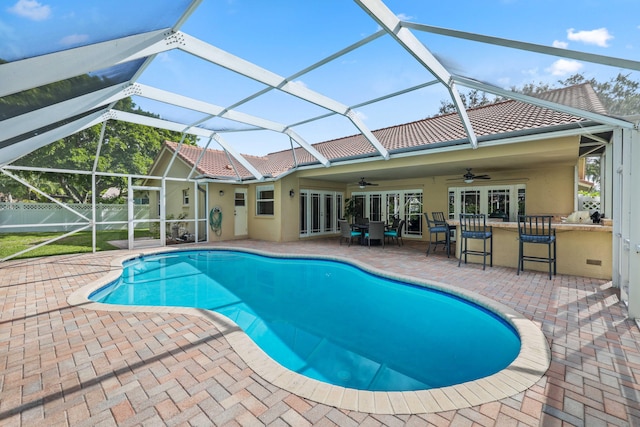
[11,243]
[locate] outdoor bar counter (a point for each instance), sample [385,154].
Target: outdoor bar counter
[583,249]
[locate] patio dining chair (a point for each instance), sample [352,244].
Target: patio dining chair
[375,232]
[395,232]
[474,227]
[346,233]
[536,229]
[436,228]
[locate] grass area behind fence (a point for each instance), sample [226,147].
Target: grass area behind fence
[11,243]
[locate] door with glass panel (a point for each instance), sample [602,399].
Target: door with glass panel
[387,206]
[413,213]
[241,217]
[319,212]
[470,201]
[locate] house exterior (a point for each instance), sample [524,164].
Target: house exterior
[531,155]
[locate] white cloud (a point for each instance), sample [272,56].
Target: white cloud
[362,116]
[74,39]
[598,37]
[560,44]
[164,57]
[31,9]
[562,67]
[298,83]
[404,17]
[504,81]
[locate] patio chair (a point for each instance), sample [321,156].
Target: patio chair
[395,223]
[474,227]
[536,229]
[395,232]
[346,233]
[375,232]
[361,220]
[437,228]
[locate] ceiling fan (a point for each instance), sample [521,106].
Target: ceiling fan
[469,176]
[362,183]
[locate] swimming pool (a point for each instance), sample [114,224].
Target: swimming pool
[329,320]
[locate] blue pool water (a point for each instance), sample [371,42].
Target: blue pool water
[329,320]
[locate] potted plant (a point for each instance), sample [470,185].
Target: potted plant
[350,209]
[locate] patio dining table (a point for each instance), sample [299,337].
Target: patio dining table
[363,228]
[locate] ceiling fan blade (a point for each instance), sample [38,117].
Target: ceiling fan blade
[481,177]
[362,183]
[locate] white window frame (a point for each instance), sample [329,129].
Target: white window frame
[259,190]
[185,197]
[336,199]
[403,213]
[484,203]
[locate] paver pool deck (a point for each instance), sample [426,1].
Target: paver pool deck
[71,365]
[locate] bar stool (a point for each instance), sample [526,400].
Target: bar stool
[474,226]
[436,228]
[536,229]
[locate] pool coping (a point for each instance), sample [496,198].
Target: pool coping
[529,366]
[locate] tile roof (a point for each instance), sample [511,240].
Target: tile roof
[500,118]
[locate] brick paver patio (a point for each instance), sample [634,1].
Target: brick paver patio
[65,365]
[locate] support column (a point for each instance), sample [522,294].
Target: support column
[632,163]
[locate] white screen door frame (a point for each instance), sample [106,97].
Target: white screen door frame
[240,213]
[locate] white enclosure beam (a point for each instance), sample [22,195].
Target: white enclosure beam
[13,152]
[607,120]
[28,73]
[224,59]
[632,163]
[217,111]
[54,113]
[392,24]
[531,47]
[308,147]
[179,127]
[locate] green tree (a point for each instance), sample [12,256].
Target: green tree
[127,149]
[620,95]
[472,99]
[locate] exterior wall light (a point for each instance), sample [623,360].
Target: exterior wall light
[221,193]
[292,193]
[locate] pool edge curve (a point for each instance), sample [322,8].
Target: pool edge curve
[526,369]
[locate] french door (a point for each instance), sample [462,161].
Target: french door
[388,205]
[319,212]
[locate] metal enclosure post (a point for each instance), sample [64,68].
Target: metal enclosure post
[633,231]
[130,214]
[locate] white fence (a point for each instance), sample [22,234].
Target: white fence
[15,217]
[591,204]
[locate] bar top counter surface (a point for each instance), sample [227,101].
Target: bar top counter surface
[583,249]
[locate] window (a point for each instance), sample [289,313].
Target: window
[185,197]
[264,200]
[505,202]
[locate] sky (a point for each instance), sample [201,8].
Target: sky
[285,37]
